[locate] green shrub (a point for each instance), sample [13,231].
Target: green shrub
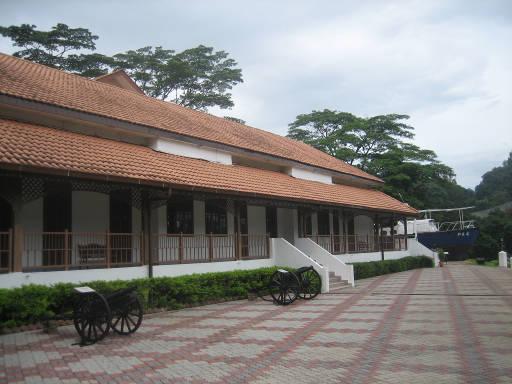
[32,303]
[377,268]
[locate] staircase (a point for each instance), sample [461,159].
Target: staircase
[336,284]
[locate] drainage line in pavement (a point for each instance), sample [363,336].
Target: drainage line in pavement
[436,294]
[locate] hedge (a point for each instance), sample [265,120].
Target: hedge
[377,268]
[30,304]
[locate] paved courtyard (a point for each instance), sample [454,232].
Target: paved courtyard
[444,325]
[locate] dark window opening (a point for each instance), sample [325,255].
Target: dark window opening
[305,223]
[216,216]
[56,219]
[180,215]
[121,222]
[323,223]
[271,217]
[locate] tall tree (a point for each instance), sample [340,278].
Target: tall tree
[196,78]
[496,185]
[353,139]
[52,47]
[380,145]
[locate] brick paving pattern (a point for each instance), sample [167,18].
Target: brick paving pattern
[444,325]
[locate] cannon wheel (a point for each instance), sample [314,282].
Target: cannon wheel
[91,317]
[310,284]
[127,315]
[283,287]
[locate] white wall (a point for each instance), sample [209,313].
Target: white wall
[18,279]
[372,256]
[187,269]
[190,150]
[90,211]
[323,257]
[199,216]
[314,223]
[256,217]
[300,173]
[363,225]
[287,228]
[30,219]
[286,255]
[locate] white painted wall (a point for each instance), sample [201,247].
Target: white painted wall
[18,279]
[188,269]
[323,257]
[415,248]
[372,256]
[90,211]
[363,225]
[286,255]
[199,216]
[30,219]
[256,217]
[286,218]
[300,173]
[190,150]
[314,223]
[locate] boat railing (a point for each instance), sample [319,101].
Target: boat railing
[456,225]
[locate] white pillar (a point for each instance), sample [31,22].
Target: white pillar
[502,256]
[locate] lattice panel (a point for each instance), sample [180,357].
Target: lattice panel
[32,188]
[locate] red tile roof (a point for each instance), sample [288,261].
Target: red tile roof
[33,146]
[31,81]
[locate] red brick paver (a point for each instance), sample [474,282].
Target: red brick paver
[444,325]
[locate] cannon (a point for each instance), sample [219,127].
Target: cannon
[285,286]
[94,314]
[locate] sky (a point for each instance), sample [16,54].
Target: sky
[447,64]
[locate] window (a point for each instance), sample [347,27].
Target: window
[305,226]
[216,216]
[271,214]
[180,215]
[323,223]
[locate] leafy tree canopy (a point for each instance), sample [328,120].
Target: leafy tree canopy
[496,186]
[380,145]
[197,78]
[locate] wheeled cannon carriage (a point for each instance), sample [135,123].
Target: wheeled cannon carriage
[94,314]
[285,286]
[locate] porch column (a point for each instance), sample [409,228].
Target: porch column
[17,264]
[379,232]
[146,228]
[405,232]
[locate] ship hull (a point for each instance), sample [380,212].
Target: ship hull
[465,237]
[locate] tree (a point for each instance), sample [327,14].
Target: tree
[379,145]
[235,119]
[496,186]
[52,47]
[197,78]
[353,139]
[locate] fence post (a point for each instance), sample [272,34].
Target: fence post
[240,244]
[180,248]
[66,249]
[332,244]
[268,245]
[9,251]
[108,249]
[345,243]
[18,249]
[211,247]
[141,249]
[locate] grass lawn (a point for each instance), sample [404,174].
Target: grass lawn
[490,263]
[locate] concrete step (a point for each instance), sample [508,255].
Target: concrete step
[339,286]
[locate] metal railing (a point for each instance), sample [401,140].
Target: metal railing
[51,250]
[6,251]
[343,244]
[201,248]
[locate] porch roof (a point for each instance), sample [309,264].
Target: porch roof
[29,147]
[30,81]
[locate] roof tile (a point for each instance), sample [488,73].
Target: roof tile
[27,80]
[52,149]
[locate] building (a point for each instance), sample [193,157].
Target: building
[99,181]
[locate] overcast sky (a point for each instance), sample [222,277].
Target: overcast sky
[447,64]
